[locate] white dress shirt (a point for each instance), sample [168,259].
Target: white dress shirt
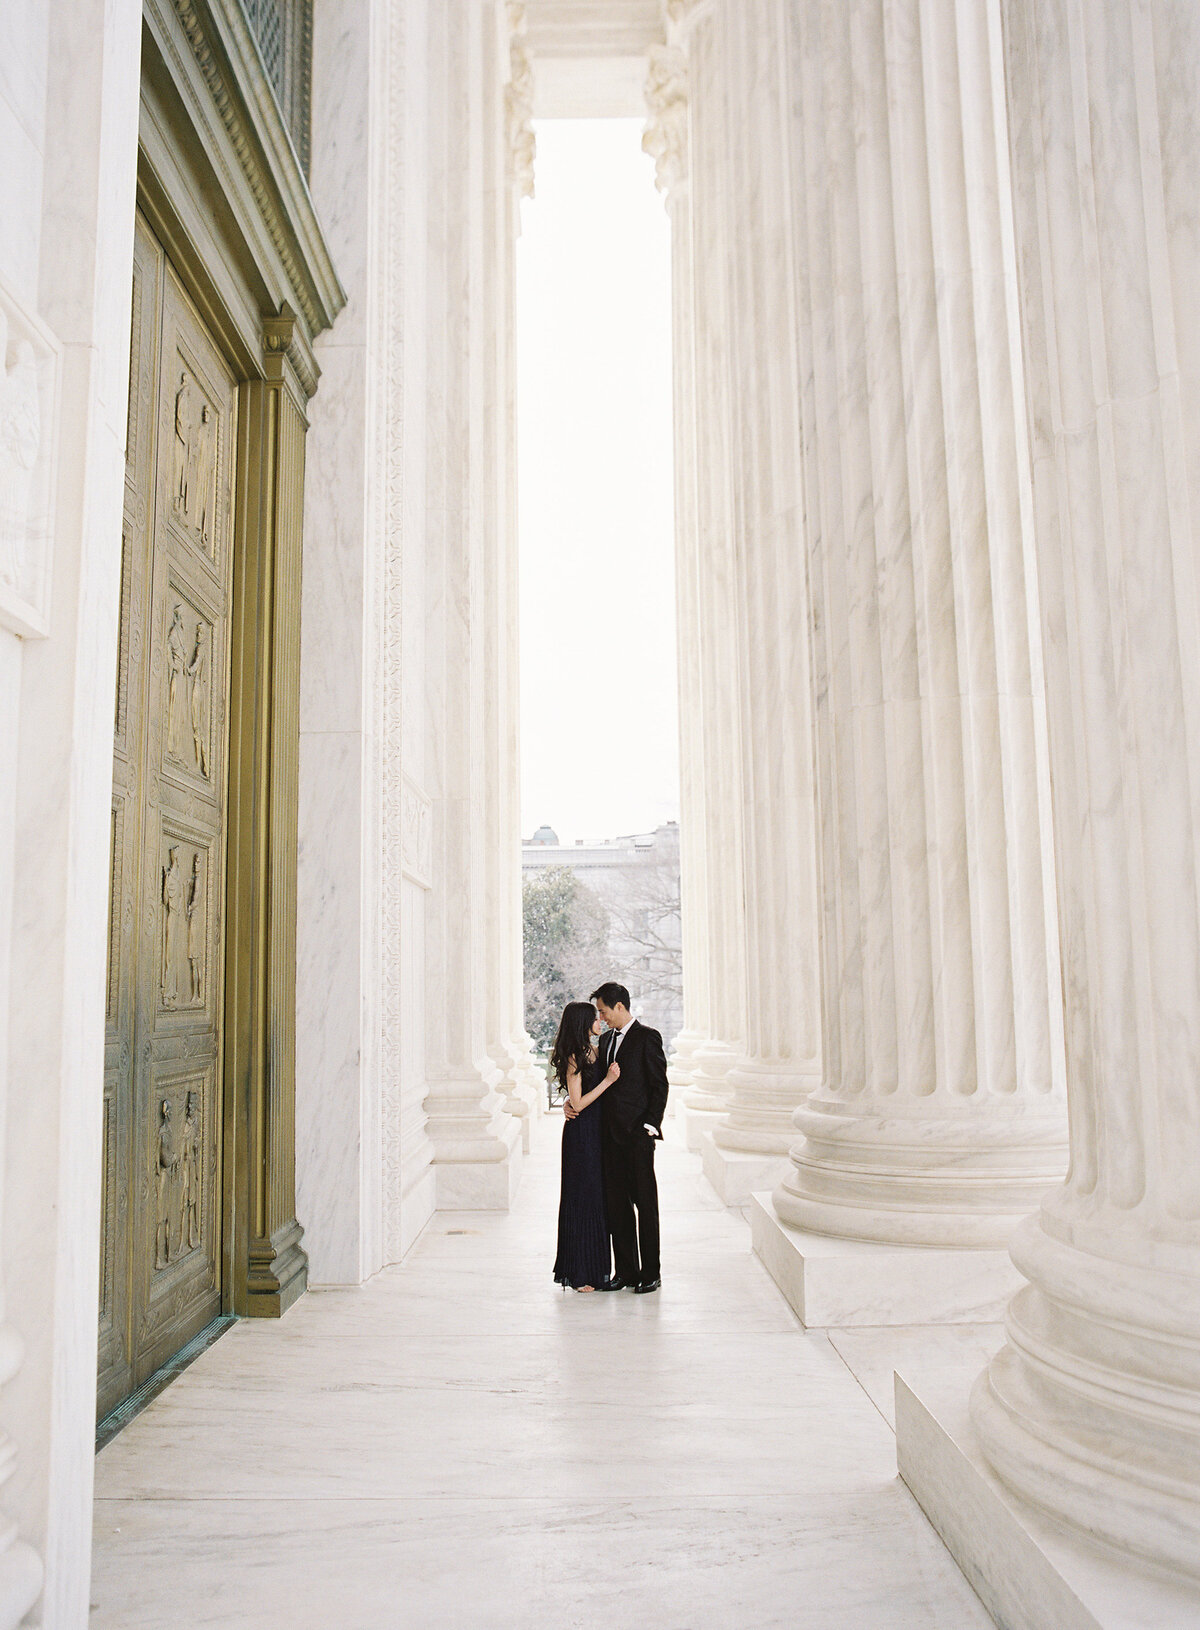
[616,1047]
[620,1037]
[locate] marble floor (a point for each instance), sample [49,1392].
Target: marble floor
[459,1444]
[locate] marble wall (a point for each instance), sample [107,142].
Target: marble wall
[68,128]
[338,1101]
[414,1074]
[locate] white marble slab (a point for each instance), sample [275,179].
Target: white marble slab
[457,1443]
[830,1281]
[1031,1573]
[524,1563]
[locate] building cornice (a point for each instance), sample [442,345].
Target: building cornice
[216,69]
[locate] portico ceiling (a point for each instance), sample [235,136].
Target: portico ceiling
[593,28]
[589,56]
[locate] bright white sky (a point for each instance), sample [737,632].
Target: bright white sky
[599,743]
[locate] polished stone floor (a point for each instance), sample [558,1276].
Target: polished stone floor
[459,1444]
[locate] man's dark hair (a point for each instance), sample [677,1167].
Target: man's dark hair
[610,994]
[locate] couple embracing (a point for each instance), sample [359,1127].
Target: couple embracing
[616,1085]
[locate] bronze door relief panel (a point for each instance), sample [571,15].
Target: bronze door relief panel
[161,1256]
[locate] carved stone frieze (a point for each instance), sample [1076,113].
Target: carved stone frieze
[680,12]
[518,104]
[28,397]
[666,135]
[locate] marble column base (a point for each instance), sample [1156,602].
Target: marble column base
[831,1282]
[480,1185]
[521,1102]
[736,1173]
[1029,1573]
[681,1064]
[697,1124]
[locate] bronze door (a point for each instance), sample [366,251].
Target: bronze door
[161,1246]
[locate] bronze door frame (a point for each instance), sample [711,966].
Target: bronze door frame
[265,1267]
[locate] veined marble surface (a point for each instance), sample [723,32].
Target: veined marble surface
[460,1444]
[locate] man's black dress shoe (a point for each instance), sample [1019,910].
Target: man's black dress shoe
[619,1284]
[647,1285]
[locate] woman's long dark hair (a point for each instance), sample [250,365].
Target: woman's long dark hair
[574,1040]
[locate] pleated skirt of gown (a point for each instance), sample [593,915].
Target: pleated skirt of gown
[583,1249]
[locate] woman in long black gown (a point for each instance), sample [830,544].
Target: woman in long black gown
[583,1260]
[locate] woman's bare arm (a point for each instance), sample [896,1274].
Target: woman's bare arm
[579,1101]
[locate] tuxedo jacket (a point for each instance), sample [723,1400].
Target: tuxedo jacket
[639,1097]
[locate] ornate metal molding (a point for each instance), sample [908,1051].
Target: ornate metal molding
[282,337]
[666,136]
[216,36]
[283,32]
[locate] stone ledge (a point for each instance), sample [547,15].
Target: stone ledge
[838,1282]
[1030,1573]
[735,1173]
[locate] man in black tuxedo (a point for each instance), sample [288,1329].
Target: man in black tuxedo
[632,1110]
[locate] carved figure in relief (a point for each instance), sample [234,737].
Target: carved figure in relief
[206,449]
[195,931]
[177,665]
[188,405]
[20,440]
[172,898]
[198,679]
[168,1165]
[189,1217]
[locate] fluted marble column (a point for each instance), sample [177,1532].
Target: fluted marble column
[940,1118]
[507,175]
[754,195]
[666,139]
[1092,1408]
[718,717]
[476,1143]
[519,175]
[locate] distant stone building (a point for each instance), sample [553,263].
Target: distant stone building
[636,878]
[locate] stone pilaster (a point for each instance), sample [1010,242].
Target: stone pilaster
[940,1117]
[1092,1408]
